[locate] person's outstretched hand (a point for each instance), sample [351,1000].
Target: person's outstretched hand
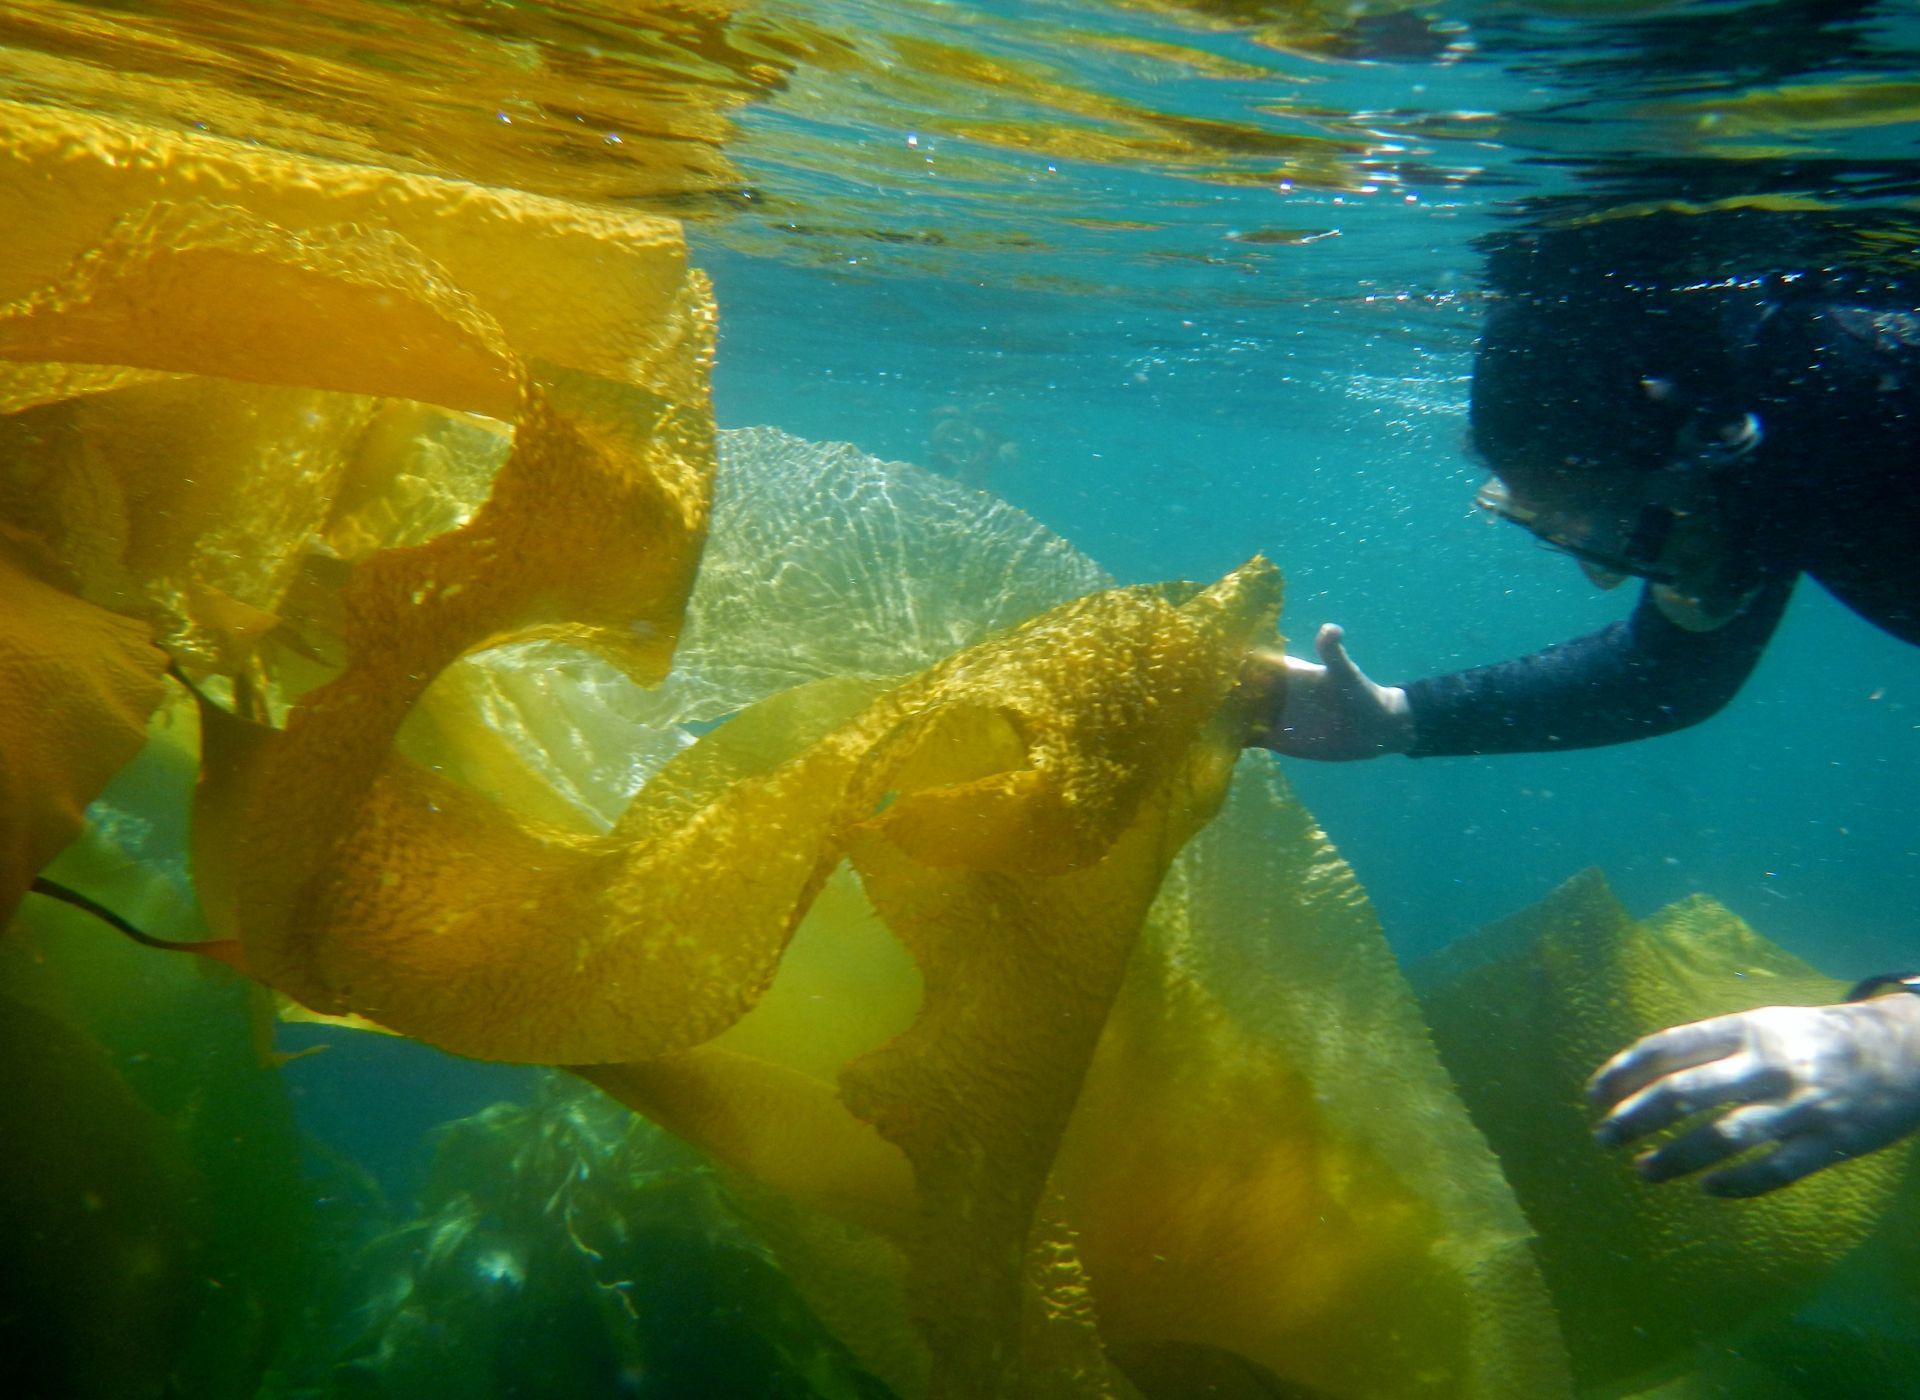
[1822,1083]
[1332,711]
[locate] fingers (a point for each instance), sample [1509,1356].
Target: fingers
[1656,1056]
[1726,1136]
[1738,1078]
[1786,1164]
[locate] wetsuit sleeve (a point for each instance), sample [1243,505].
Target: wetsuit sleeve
[1635,679]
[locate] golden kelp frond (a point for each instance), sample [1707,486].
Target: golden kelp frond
[219,510]
[1032,790]
[364,883]
[590,536]
[1268,1157]
[76,683]
[1020,894]
[339,523]
[590,288]
[247,298]
[1263,1158]
[821,562]
[1524,1011]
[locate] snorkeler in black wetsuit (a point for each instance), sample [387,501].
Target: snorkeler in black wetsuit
[1717,439]
[1792,432]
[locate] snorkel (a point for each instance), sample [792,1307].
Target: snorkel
[1675,535]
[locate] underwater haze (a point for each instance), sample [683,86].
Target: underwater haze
[1183,283]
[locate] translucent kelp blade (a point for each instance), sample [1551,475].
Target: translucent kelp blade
[1122,751]
[1268,1157]
[1524,1011]
[1265,1160]
[220,510]
[824,561]
[76,684]
[191,503]
[583,328]
[425,907]
[764,1095]
[589,287]
[590,536]
[821,562]
[1023,943]
[225,291]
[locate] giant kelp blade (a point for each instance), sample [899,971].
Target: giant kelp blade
[588,287]
[201,258]
[825,561]
[590,535]
[1262,1158]
[1268,1159]
[76,684]
[1115,704]
[821,562]
[1524,1011]
[337,291]
[223,291]
[1023,946]
[977,1243]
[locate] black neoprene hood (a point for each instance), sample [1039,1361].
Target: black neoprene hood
[1589,384]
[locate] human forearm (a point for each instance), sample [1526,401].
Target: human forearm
[1629,681]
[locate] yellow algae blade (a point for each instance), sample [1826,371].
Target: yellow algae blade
[821,562]
[220,510]
[973,1201]
[588,287]
[1524,1011]
[590,536]
[1268,1158]
[76,686]
[335,291]
[1117,701]
[431,910]
[223,291]
[1265,1170]
[1023,955]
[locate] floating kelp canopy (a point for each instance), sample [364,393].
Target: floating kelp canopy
[917,887]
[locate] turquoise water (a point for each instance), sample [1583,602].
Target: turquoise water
[1309,403]
[1252,333]
[1177,403]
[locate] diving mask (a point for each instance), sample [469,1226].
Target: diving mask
[1606,553]
[1667,529]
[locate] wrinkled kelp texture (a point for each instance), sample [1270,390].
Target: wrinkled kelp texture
[1523,1011]
[327,431]
[241,399]
[895,890]
[1261,1158]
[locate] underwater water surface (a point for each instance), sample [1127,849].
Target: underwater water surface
[1183,281]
